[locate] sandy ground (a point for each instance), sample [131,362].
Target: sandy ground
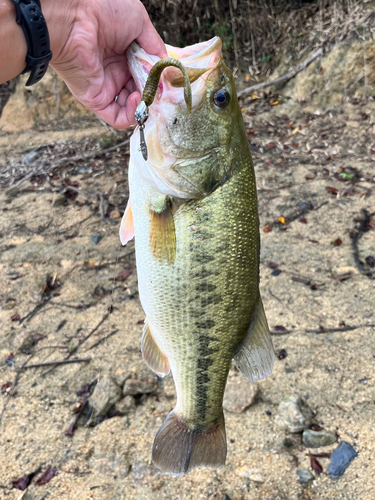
[298,152]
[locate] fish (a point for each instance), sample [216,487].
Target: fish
[193,211]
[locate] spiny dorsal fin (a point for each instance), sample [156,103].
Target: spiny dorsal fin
[127,225]
[256,356]
[162,234]
[152,354]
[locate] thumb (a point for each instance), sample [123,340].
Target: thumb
[150,40]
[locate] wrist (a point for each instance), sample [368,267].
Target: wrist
[59,16]
[13,43]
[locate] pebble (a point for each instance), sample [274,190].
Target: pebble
[143,473]
[239,393]
[115,214]
[95,239]
[340,459]
[125,405]
[24,341]
[304,476]
[315,439]
[31,157]
[110,459]
[121,376]
[105,395]
[252,474]
[135,387]
[294,415]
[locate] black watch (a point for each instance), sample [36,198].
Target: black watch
[29,16]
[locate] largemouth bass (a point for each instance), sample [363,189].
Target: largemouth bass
[193,211]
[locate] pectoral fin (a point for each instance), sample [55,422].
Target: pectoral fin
[151,353]
[127,225]
[256,356]
[162,234]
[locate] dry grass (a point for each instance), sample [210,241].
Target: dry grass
[254,32]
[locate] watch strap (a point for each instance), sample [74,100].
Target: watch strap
[29,16]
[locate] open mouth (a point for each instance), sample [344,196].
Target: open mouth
[203,55]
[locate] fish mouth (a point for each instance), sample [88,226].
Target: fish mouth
[202,56]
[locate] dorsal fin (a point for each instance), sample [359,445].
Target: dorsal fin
[127,225]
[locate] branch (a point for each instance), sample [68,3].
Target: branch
[62,362]
[284,78]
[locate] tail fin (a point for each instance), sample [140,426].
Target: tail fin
[178,449]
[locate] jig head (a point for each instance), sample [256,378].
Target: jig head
[151,87]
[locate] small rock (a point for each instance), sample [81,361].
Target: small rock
[239,393]
[340,459]
[294,415]
[23,341]
[9,303]
[304,476]
[121,376]
[143,474]
[288,443]
[115,214]
[110,459]
[95,239]
[352,124]
[135,387]
[125,405]
[252,474]
[105,395]
[315,439]
[31,157]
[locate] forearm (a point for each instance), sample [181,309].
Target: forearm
[59,16]
[12,42]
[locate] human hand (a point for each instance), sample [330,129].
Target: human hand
[91,57]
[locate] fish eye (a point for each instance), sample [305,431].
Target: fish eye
[221,98]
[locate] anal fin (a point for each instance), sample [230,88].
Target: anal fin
[151,353]
[162,234]
[256,356]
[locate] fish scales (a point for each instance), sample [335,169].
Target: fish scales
[202,299]
[213,279]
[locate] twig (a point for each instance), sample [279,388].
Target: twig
[61,161]
[358,234]
[18,183]
[81,307]
[365,68]
[62,362]
[102,340]
[36,309]
[283,78]
[340,329]
[70,430]
[14,386]
[90,154]
[105,317]
[106,264]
